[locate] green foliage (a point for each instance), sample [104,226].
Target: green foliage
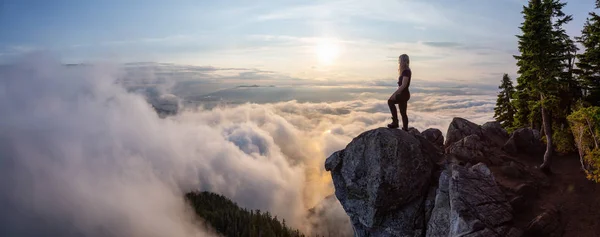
[230,220]
[504,111]
[545,50]
[563,140]
[593,158]
[546,87]
[585,125]
[588,65]
[521,106]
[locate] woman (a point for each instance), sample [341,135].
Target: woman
[402,95]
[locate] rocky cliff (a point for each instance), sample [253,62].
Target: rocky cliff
[396,183]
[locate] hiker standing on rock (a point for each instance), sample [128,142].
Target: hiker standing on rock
[401,95]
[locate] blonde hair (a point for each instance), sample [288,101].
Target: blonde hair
[403,63]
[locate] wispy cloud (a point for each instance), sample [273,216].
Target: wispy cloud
[423,13]
[442,44]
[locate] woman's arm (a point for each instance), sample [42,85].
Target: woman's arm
[401,87]
[404,83]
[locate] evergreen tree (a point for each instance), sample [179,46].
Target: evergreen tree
[229,219]
[568,87]
[520,100]
[541,63]
[504,111]
[589,61]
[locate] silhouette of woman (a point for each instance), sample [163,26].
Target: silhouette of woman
[401,95]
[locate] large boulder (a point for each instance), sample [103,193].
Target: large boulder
[460,128]
[524,140]
[548,224]
[469,203]
[434,136]
[381,179]
[494,132]
[474,149]
[386,181]
[414,131]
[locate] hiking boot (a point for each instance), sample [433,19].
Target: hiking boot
[394,124]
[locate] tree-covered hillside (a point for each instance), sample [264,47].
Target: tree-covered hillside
[230,220]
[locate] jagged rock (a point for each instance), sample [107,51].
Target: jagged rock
[434,136]
[414,131]
[469,203]
[494,132]
[491,131]
[460,128]
[524,140]
[384,180]
[381,179]
[439,223]
[547,224]
[473,149]
[470,147]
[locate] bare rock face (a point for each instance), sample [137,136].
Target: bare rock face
[473,143]
[494,133]
[414,131]
[460,128]
[469,203]
[381,179]
[474,149]
[386,181]
[434,136]
[524,140]
[471,147]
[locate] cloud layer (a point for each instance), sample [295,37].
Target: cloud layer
[82,155]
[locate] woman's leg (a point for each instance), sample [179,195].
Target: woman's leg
[392,104]
[403,104]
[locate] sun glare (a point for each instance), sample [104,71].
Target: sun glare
[327,51]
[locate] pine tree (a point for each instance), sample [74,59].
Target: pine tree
[231,220]
[504,111]
[541,63]
[568,88]
[589,61]
[519,102]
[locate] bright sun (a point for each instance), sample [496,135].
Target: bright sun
[327,51]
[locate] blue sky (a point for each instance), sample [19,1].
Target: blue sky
[351,40]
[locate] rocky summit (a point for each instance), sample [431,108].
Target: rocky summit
[382,178]
[396,183]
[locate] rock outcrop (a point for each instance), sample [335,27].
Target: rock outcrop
[434,136]
[414,131]
[472,143]
[381,178]
[469,203]
[473,149]
[524,140]
[393,183]
[460,128]
[494,133]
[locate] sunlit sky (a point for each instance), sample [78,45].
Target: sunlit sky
[448,40]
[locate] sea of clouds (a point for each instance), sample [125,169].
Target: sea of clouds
[84,154]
